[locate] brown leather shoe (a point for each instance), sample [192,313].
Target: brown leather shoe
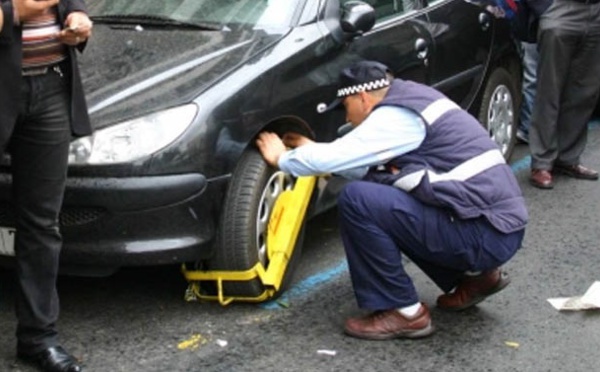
[473,289]
[388,324]
[576,171]
[541,179]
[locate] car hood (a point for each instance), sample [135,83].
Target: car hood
[128,72]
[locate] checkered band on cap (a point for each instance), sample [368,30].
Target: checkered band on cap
[364,87]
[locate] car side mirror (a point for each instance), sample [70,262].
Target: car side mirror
[357,17]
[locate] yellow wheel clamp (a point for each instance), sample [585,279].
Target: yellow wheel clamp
[284,226]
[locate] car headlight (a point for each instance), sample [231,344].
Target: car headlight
[133,139]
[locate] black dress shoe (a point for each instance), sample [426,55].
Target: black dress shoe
[52,359]
[576,171]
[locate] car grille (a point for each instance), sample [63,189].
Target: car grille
[67,217]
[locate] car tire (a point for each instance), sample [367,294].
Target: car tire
[242,239]
[498,112]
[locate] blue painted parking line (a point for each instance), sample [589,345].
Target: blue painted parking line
[314,282]
[521,164]
[307,285]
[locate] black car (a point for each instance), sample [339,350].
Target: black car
[178,90]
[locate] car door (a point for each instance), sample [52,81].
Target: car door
[399,39]
[463,34]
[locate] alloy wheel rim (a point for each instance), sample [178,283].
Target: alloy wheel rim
[278,183]
[501,118]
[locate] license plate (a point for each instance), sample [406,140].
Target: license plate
[7,241]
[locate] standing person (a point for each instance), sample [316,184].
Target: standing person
[568,84]
[434,187]
[525,27]
[523,16]
[42,107]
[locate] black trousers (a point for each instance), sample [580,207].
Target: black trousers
[568,83]
[39,149]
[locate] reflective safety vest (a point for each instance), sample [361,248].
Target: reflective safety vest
[457,166]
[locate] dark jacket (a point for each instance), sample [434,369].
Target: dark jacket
[457,166]
[525,23]
[10,74]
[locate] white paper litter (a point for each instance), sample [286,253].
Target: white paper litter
[590,300]
[222,343]
[327,352]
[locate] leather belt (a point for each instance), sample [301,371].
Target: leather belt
[35,71]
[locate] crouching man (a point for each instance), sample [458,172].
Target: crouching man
[433,187]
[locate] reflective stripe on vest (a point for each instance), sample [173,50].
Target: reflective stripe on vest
[438,108]
[462,172]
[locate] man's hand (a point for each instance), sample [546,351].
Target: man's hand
[294,140]
[26,9]
[78,28]
[271,147]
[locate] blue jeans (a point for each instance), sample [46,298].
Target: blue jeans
[530,61]
[39,149]
[380,223]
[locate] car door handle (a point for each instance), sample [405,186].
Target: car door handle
[421,48]
[484,21]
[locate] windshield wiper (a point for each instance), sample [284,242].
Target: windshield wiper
[152,21]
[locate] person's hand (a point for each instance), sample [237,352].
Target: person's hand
[26,9]
[294,140]
[271,147]
[78,28]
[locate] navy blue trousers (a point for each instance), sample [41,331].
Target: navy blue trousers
[379,223]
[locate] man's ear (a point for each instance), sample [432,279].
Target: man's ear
[364,98]
[367,101]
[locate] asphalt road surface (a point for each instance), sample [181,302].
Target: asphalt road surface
[137,320]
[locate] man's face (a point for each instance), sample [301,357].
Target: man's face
[356,109]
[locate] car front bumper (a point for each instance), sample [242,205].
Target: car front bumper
[114,222]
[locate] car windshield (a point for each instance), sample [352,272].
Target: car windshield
[211,13]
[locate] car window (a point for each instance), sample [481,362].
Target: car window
[385,9]
[263,13]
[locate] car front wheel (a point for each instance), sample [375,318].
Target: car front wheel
[248,205]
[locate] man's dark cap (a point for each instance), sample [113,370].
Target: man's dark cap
[363,76]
